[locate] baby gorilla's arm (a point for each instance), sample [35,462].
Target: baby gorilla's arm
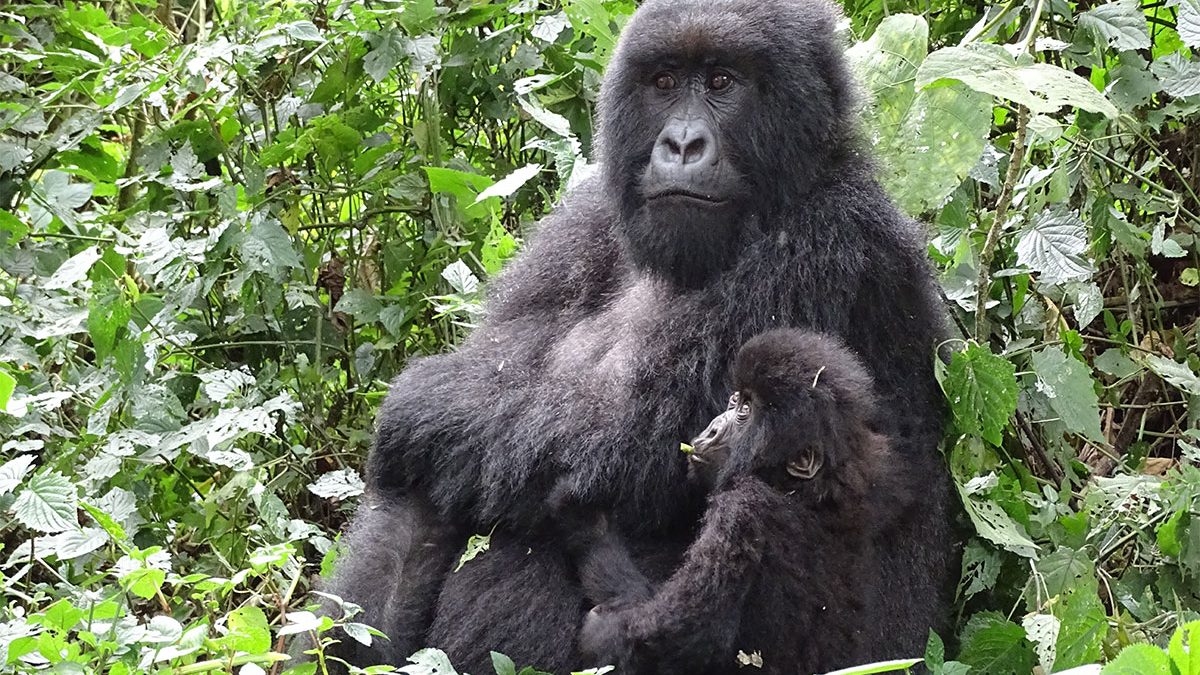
[693,619]
[605,567]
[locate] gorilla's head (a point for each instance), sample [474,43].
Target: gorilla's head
[799,418]
[713,117]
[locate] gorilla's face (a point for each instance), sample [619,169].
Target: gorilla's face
[711,120]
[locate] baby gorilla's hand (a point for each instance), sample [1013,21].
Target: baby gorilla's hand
[604,639]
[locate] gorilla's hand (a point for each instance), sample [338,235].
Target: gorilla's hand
[582,525]
[604,638]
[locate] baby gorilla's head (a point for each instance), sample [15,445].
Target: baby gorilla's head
[799,418]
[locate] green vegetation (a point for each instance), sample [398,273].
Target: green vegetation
[225,224]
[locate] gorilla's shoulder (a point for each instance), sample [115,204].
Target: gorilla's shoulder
[569,260]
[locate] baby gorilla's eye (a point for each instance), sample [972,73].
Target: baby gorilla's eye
[743,410]
[719,80]
[664,81]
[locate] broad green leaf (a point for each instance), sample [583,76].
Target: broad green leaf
[73,270]
[104,321]
[1121,24]
[1178,374]
[386,52]
[1188,21]
[248,631]
[1180,77]
[1139,660]
[503,665]
[990,69]
[1084,625]
[1070,389]
[47,503]
[268,248]
[338,484]
[461,278]
[928,140]
[1053,245]
[994,645]
[982,390]
[1113,362]
[144,582]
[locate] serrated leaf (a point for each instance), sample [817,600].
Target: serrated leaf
[268,248]
[1042,631]
[47,503]
[1053,245]
[1139,660]
[1179,76]
[1121,24]
[248,631]
[1070,390]
[990,69]
[1180,375]
[982,390]
[1187,21]
[992,644]
[461,278]
[13,471]
[993,524]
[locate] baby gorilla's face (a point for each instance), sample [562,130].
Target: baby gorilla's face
[736,443]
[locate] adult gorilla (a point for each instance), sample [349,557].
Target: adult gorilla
[733,199]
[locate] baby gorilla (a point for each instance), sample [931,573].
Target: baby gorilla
[799,485]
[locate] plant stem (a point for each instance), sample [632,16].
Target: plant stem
[984,282]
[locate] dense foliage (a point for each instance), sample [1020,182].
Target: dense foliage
[224,225]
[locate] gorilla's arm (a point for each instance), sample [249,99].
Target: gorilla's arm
[693,619]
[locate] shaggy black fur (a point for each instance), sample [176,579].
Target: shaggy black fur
[786,556]
[611,338]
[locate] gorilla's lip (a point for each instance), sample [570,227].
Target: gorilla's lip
[684,193]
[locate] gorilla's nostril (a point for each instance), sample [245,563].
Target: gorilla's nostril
[694,151]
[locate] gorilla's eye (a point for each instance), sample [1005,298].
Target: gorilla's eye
[719,80]
[664,81]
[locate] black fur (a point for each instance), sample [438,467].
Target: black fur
[784,564]
[610,340]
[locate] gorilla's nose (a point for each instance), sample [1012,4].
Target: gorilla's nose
[685,147]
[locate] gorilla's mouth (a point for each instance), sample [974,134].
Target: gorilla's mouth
[684,194]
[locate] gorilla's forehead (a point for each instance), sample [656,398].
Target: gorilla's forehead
[719,30]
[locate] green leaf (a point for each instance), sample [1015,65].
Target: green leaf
[1139,660]
[267,248]
[1184,649]
[1188,21]
[144,582]
[1179,76]
[928,140]
[982,390]
[510,183]
[503,665]
[1053,245]
[477,544]
[994,645]
[248,631]
[990,69]
[73,270]
[104,321]
[8,384]
[995,525]
[1070,389]
[1179,375]
[47,503]
[1122,24]
[429,662]
[880,667]
[14,471]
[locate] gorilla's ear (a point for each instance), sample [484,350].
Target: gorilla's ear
[807,464]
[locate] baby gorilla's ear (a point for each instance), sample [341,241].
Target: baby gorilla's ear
[806,465]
